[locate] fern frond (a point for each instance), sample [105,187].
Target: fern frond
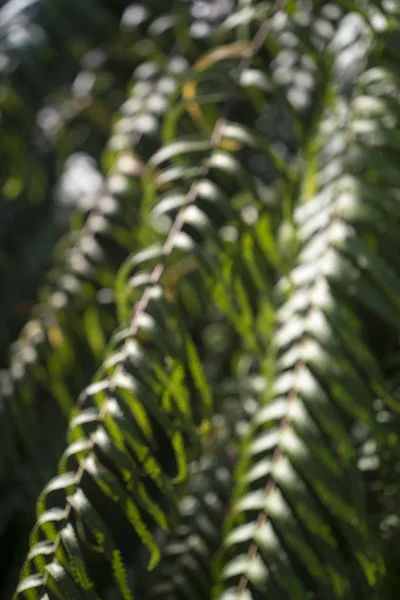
[126,415]
[120,429]
[299,526]
[72,300]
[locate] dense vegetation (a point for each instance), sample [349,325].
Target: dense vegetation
[200,300]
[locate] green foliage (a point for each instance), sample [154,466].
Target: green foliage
[229,306]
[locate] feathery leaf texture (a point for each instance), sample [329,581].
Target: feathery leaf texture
[242,257]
